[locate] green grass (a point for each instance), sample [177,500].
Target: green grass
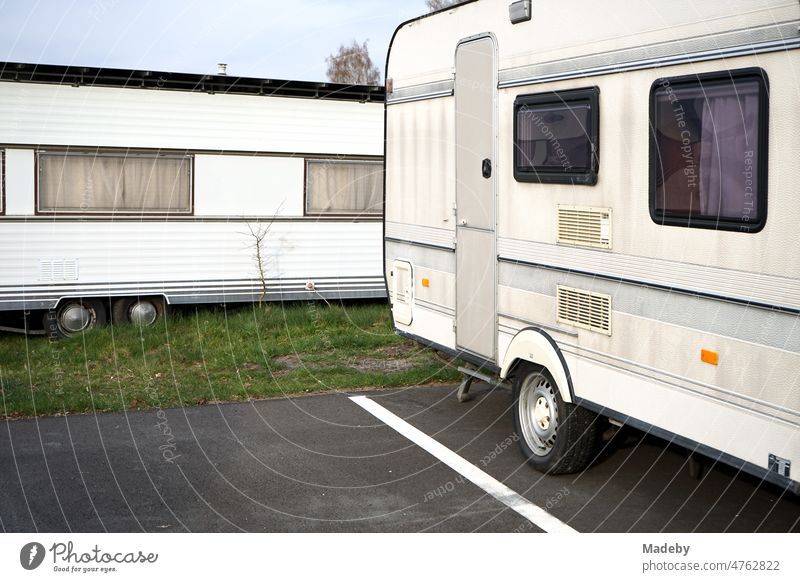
[211,355]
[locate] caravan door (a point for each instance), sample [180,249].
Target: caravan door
[476,257]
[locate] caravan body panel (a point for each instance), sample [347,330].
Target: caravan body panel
[631,303]
[251,148]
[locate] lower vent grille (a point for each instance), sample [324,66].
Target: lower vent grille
[584,309]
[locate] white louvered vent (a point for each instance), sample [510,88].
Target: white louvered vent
[402,292]
[58,270]
[584,226]
[584,309]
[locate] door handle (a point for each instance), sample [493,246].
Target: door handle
[486,168]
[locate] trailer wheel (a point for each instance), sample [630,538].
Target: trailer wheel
[74,316]
[555,436]
[141,311]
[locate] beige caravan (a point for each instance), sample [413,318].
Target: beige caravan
[599,201]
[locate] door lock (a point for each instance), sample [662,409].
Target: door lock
[486,168]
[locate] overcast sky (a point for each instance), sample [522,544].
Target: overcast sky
[287,39]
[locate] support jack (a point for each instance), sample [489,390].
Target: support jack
[463,393]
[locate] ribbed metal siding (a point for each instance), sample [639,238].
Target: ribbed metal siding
[96,116]
[127,257]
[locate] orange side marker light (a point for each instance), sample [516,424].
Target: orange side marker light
[426,282]
[709,357]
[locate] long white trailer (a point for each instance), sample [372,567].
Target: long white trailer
[599,201]
[124,191]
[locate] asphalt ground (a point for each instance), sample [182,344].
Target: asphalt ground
[322,463]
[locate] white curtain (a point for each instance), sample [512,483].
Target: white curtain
[110,183]
[729,151]
[340,187]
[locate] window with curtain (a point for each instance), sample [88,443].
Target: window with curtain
[344,187]
[89,182]
[556,137]
[2,182]
[709,150]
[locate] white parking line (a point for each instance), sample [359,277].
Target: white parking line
[533,513]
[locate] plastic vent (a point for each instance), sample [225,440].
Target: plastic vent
[58,270]
[584,309]
[584,226]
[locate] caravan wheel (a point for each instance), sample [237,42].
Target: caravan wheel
[556,437]
[141,311]
[75,316]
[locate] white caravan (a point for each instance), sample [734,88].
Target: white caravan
[124,191]
[577,199]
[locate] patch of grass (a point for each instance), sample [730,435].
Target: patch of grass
[213,354]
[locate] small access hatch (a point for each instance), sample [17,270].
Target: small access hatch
[402,292]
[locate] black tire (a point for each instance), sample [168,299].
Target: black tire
[54,319]
[121,309]
[556,437]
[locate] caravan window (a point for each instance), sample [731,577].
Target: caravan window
[556,137]
[113,182]
[2,182]
[708,151]
[344,187]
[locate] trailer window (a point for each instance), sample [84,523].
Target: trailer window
[344,187]
[112,182]
[556,137]
[708,151]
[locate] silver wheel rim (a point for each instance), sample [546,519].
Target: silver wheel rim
[538,414]
[143,313]
[75,318]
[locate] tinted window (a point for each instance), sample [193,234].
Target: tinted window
[708,151]
[556,137]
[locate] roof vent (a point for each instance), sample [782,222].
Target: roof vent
[222,68]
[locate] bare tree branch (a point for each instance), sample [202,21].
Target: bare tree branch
[434,5]
[352,65]
[259,235]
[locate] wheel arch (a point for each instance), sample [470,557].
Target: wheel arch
[121,306]
[96,308]
[535,346]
